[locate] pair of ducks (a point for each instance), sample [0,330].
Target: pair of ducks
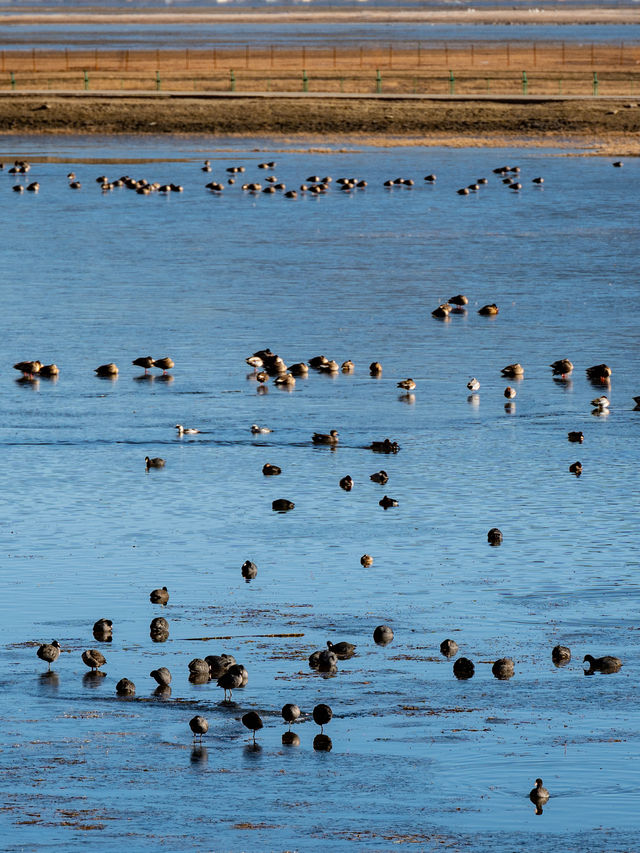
[29,369]
[147,361]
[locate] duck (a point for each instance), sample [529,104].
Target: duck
[318,361]
[164,364]
[460,300]
[28,368]
[93,658]
[249,570]
[159,626]
[199,726]
[270,470]
[325,438]
[186,430]
[561,655]
[254,361]
[342,650]
[159,596]
[375,368]
[539,796]
[407,384]
[346,483]
[599,373]
[162,676]
[448,648]
[49,652]
[199,666]
[513,371]
[258,430]
[347,366]
[503,669]
[327,661]
[322,714]
[562,367]
[331,366]
[252,721]
[576,436]
[386,502]
[489,310]
[601,402]
[473,384]
[49,371]
[290,713]
[494,536]
[229,681]
[262,376]
[156,462]
[386,446]
[380,477]
[125,687]
[509,392]
[109,369]
[575,468]
[366,561]
[285,380]
[282,505]
[103,630]
[441,312]
[382,635]
[606,664]
[145,361]
[463,668]
[299,369]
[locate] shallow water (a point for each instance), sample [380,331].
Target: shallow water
[418,757]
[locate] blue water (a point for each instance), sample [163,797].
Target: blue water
[418,757]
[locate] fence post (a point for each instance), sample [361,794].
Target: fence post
[232,80]
[525,83]
[595,82]
[13,80]
[305,81]
[378,82]
[452,83]
[86,80]
[157,81]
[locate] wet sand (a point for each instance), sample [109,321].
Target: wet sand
[606,125]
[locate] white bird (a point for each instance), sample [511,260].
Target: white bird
[473,384]
[186,430]
[255,429]
[254,361]
[601,402]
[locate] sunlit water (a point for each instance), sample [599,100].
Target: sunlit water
[418,757]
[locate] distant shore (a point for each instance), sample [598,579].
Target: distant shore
[598,126]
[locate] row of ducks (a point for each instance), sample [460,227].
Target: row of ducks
[29,369]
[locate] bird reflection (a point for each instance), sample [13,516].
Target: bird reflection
[262,389]
[322,743]
[252,750]
[93,678]
[538,809]
[165,377]
[49,680]
[600,413]
[473,400]
[510,408]
[407,398]
[199,754]
[564,382]
[290,739]
[162,691]
[29,382]
[144,377]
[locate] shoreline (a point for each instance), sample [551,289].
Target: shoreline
[605,126]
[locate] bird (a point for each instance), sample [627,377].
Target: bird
[606,664]
[109,370]
[561,655]
[599,373]
[322,715]
[513,371]
[386,502]
[186,430]
[503,669]
[219,664]
[375,368]
[430,179]
[488,310]
[386,446]
[290,713]
[460,301]
[494,536]
[441,312]
[366,561]
[347,366]
[159,629]
[156,462]
[473,384]
[575,468]
[407,384]
[509,392]
[346,483]
[299,369]
[164,364]
[254,361]
[537,180]
[539,796]
[463,668]
[103,630]
[282,505]
[575,436]
[145,361]
[229,681]
[636,400]
[382,635]
[93,658]
[199,726]
[251,720]
[262,376]
[562,367]
[28,368]
[327,661]
[159,596]
[618,164]
[162,676]
[601,402]
[270,470]
[198,666]
[125,687]
[49,652]
[258,430]
[49,370]
[449,648]
[324,438]
[285,380]
[249,570]
[342,650]
[380,477]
